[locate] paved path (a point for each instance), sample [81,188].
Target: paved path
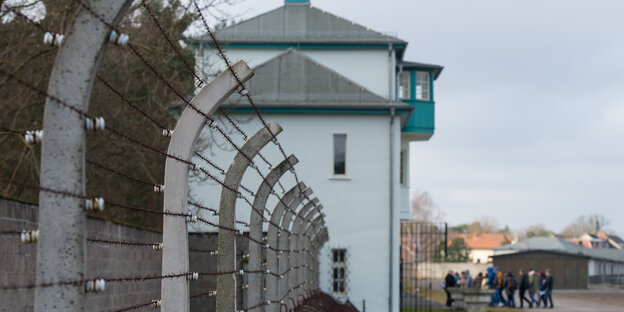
[587,301]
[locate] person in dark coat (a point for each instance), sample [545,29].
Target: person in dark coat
[449,281]
[522,288]
[548,287]
[542,287]
[510,285]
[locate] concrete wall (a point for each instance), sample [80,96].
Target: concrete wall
[201,261]
[356,205]
[435,270]
[18,262]
[368,67]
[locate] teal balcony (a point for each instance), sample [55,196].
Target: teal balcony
[421,123]
[415,81]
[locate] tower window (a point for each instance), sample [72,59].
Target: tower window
[423,86]
[404,85]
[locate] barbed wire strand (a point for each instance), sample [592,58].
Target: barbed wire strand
[159,75]
[242,86]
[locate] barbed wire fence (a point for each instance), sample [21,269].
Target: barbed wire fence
[282,265]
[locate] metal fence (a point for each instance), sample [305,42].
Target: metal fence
[282,266]
[421,244]
[615,279]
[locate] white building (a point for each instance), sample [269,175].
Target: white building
[333,85]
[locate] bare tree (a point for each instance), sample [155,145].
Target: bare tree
[586,224]
[424,209]
[485,224]
[23,54]
[536,230]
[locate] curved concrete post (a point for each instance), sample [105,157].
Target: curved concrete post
[313,246]
[284,244]
[307,230]
[272,239]
[320,243]
[299,240]
[256,289]
[175,259]
[226,261]
[61,248]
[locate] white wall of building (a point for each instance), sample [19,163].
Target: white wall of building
[481,255]
[371,68]
[356,205]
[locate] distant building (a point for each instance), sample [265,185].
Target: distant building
[573,266]
[482,245]
[600,240]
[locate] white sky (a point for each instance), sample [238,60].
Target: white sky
[529,107]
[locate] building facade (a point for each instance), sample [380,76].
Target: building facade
[573,265]
[482,245]
[349,106]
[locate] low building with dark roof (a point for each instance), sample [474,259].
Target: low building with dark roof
[573,265]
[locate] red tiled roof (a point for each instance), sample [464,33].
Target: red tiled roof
[484,241]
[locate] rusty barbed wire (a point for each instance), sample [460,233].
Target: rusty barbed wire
[212,121]
[121,243]
[129,103]
[98,165]
[242,86]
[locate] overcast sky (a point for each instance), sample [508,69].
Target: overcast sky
[529,107]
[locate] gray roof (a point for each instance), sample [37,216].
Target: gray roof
[293,80]
[437,69]
[300,23]
[563,246]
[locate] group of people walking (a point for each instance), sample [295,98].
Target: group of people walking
[539,287]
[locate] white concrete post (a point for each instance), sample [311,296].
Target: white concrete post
[298,242]
[256,289]
[226,261]
[285,263]
[272,239]
[175,259]
[312,275]
[61,246]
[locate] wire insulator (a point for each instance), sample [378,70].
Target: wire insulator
[156,303]
[32,137]
[94,204]
[159,188]
[96,285]
[53,39]
[118,39]
[192,276]
[95,124]
[28,237]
